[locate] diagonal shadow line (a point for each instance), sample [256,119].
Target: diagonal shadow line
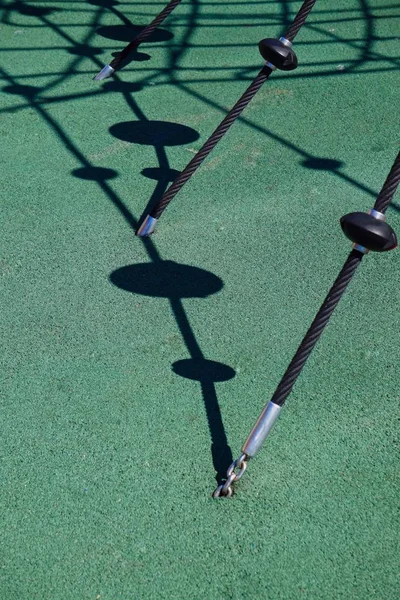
[180,19]
[373,58]
[259,3]
[177,54]
[302,76]
[367,17]
[247,69]
[220,450]
[124,19]
[69,39]
[367,55]
[162,183]
[76,61]
[367,40]
[161,154]
[59,31]
[285,15]
[369,37]
[304,154]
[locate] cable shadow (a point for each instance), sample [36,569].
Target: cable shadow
[174,281]
[365,50]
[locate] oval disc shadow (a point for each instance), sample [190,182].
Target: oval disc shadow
[84,50]
[160,174]
[95,173]
[135,56]
[103,3]
[32,11]
[201,369]
[322,164]
[166,279]
[125,87]
[154,133]
[127,33]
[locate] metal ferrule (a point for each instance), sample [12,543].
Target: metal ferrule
[285,42]
[360,248]
[270,65]
[147,227]
[106,71]
[376,214]
[261,429]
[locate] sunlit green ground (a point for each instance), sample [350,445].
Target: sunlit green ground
[106,460]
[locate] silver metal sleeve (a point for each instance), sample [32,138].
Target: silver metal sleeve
[378,215]
[285,42]
[147,227]
[261,429]
[360,248]
[106,71]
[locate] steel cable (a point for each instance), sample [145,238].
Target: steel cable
[230,118]
[143,35]
[266,419]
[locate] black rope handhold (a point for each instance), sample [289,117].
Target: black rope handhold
[278,53]
[369,231]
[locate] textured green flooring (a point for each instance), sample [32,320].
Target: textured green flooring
[106,459]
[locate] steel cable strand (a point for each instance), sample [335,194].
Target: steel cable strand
[299,20]
[213,140]
[389,187]
[226,123]
[116,62]
[363,231]
[314,332]
[143,35]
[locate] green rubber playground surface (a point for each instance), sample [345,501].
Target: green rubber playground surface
[114,424]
